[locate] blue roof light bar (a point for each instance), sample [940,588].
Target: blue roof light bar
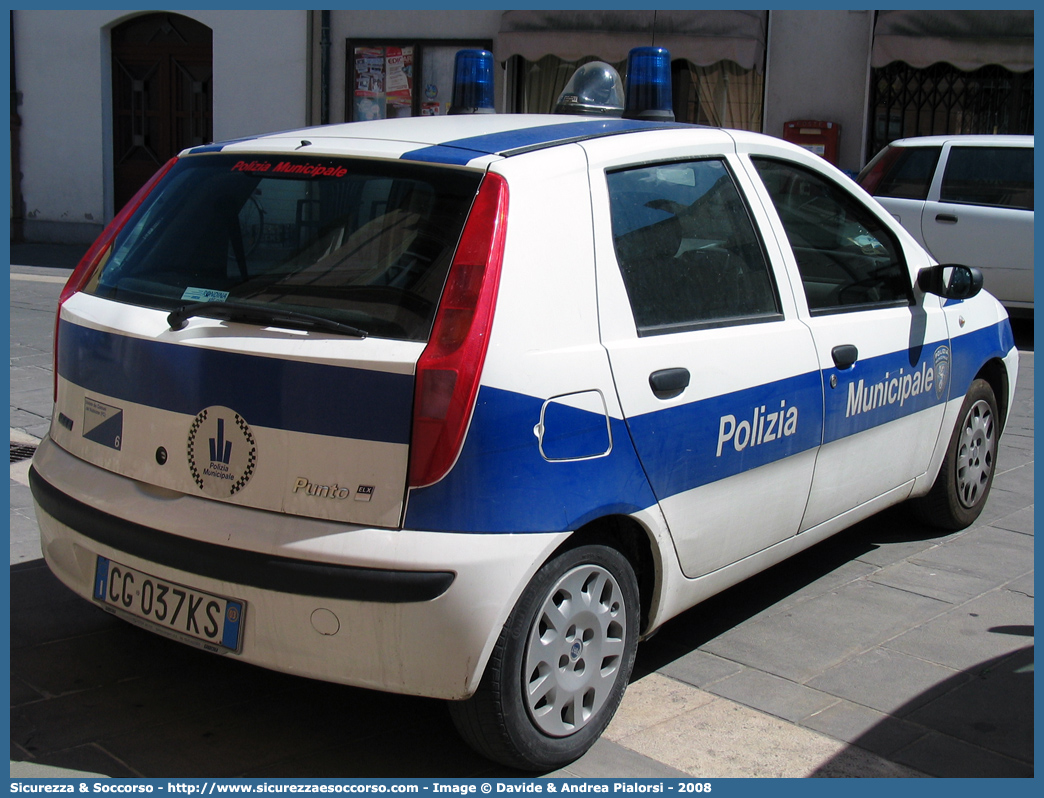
[649,85]
[473,82]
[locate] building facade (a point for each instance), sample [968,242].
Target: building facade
[100,99]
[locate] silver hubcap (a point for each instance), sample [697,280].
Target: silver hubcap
[975,452]
[575,650]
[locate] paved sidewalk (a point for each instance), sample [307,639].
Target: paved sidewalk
[888,650]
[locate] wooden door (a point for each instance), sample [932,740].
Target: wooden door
[162,95]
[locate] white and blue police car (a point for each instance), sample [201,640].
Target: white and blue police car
[466,406]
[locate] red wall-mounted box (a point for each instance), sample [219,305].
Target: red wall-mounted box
[822,138]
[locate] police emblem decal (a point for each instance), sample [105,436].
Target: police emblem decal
[222,452]
[942,371]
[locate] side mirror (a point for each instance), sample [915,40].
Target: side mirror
[950,281]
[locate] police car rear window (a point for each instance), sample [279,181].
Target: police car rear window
[364,243]
[687,248]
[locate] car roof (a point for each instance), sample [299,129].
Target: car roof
[455,140]
[965,141]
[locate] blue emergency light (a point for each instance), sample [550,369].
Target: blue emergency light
[649,85]
[473,82]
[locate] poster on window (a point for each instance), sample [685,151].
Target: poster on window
[399,81]
[369,99]
[437,79]
[386,79]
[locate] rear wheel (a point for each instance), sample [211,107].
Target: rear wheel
[560,666]
[964,481]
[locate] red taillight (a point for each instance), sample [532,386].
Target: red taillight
[449,369]
[96,254]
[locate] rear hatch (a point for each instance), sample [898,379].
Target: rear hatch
[252,332]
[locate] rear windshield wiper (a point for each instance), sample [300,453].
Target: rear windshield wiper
[258,314]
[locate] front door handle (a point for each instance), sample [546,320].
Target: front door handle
[946,218]
[668,383]
[845,355]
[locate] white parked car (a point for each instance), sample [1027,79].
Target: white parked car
[966,199]
[466,406]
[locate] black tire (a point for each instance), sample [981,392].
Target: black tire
[594,592]
[964,481]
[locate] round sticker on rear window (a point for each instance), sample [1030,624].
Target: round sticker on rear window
[222,452]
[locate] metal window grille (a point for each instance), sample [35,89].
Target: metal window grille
[941,99]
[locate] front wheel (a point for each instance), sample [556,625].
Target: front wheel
[560,666]
[964,481]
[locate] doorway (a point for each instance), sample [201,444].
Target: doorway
[162,95]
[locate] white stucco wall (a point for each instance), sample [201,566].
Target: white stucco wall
[260,70]
[59,72]
[64,76]
[818,68]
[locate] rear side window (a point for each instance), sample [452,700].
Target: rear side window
[902,172]
[847,258]
[687,248]
[1000,176]
[363,243]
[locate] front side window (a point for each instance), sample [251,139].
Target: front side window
[998,176]
[356,242]
[847,258]
[687,248]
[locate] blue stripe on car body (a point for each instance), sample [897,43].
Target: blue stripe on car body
[278,393]
[972,350]
[500,482]
[881,389]
[507,142]
[694,444]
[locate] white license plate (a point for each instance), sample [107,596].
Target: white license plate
[213,622]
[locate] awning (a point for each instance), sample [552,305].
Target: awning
[702,37]
[966,39]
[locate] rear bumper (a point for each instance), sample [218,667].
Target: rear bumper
[238,566]
[403,611]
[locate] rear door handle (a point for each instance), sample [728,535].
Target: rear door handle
[668,383]
[946,218]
